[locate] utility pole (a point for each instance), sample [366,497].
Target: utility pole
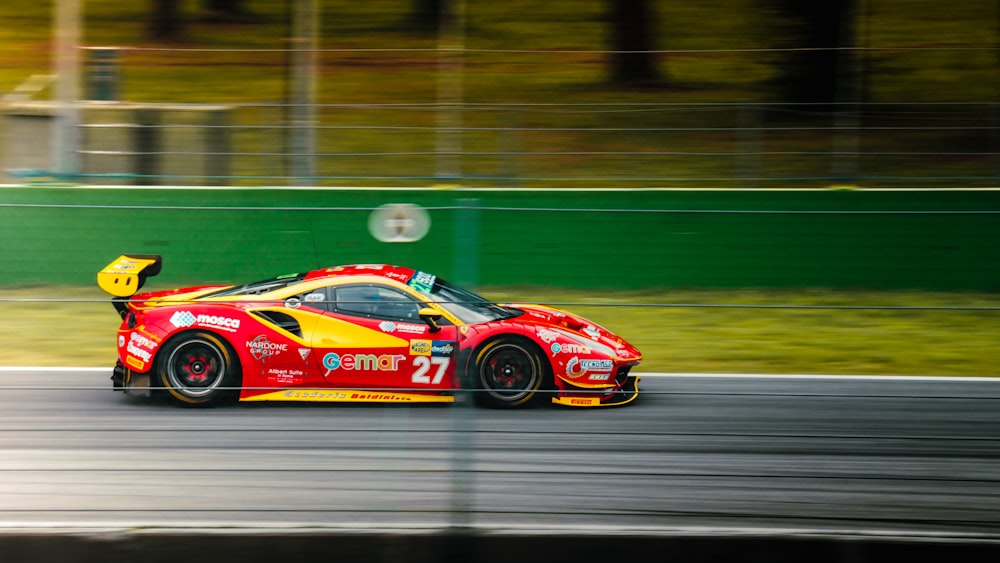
[65,156]
[302,126]
[451,44]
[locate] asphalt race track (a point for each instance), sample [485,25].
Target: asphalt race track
[875,456]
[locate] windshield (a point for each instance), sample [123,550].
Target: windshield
[467,306]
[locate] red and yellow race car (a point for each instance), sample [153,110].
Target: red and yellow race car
[358,333]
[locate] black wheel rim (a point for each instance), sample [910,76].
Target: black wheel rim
[509,373]
[196,368]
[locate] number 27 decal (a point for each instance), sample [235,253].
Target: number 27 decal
[423,365]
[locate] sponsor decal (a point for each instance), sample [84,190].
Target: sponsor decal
[141,340]
[380,397]
[134,350]
[311,394]
[398,276]
[126,264]
[420,348]
[442,348]
[577,367]
[558,348]
[285,376]
[422,282]
[285,372]
[318,395]
[138,346]
[261,348]
[141,329]
[315,297]
[389,326]
[216,321]
[585,402]
[547,336]
[135,362]
[183,319]
[304,352]
[599,376]
[432,348]
[361,362]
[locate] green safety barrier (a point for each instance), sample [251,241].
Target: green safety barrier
[613,239]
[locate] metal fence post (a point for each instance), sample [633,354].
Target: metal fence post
[467,242]
[748,160]
[510,165]
[103,76]
[146,143]
[217,147]
[463,421]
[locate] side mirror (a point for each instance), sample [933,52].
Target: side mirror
[431,317]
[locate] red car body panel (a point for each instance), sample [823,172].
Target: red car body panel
[292,343]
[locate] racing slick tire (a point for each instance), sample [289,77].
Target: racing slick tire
[508,373]
[199,369]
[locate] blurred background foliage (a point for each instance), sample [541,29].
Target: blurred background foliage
[911,50]
[718,93]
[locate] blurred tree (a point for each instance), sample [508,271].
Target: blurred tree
[425,15]
[224,7]
[165,22]
[822,66]
[224,10]
[633,62]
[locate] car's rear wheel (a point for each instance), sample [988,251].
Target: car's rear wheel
[509,373]
[199,368]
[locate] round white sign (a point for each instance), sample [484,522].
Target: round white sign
[399,222]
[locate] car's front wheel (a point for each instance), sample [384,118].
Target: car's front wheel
[199,368]
[509,373]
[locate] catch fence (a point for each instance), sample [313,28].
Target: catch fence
[726,145]
[373,120]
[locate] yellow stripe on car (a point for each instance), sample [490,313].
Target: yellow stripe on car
[349,396]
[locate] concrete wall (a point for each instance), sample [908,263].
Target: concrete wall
[120,143]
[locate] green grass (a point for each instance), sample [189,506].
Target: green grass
[919,51]
[757,335]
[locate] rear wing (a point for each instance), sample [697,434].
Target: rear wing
[128,273]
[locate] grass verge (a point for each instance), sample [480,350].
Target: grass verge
[702,331]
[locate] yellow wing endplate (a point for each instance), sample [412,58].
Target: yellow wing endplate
[124,276]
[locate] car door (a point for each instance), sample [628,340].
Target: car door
[373,338]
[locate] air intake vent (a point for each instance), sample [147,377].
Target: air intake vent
[281,320]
